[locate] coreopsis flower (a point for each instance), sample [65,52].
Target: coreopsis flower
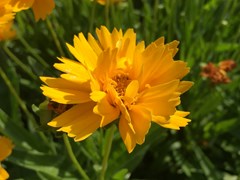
[103,2]
[218,73]
[227,65]
[6,13]
[115,80]
[5,150]
[41,8]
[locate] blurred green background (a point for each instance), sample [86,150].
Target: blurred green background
[208,148]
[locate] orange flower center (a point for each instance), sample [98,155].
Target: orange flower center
[121,82]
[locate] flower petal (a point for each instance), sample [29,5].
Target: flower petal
[65,84]
[19,5]
[104,37]
[127,134]
[177,120]
[42,8]
[66,96]
[3,173]
[83,52]
[78,122]
[184,86]
[103,108]
[141,121]
[6,147]
[156,98]
[74,68]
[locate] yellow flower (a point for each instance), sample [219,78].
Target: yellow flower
[6,31]
[103,2]
[115,78]
[3,173]
[5,151]
[6,14]
[41,8]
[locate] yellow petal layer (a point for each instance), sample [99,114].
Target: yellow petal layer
[141,121]
[177,120]
[127,134]
[156,98]
[42,8]
[79,121]
[19,5]
[3,173]
[66,96]
[6,147]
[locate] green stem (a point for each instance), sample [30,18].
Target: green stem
[73,158]
[107,5]
[19,63]
[23,106]
[92,16]
[131,14]
[32,51]
[108,146]
[155,19]
[55,37]
[15,94]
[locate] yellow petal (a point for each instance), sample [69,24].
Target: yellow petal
[128,44]
[106,63]
[132,89]
[66,96]
[6,147]
[42,8]
[65,84]
[78,122]
[159,66]
[3,173]
[177,120]
[159,41]
[89,58]
[137,65]
[116,37]
[127,135]
[159,119]
[141,121]
[94,44]
[172,47]
[103,108]
[6,16]
[97,96]
[73,67]
[184,86]
[156,98]
[19,5]
[104,37]
[70,116]
[6,31]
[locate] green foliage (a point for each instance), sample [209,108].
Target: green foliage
[209,148]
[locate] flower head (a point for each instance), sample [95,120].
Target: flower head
[6,13]
[218,73]
[5,151]
[115,78]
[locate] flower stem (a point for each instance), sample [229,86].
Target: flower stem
[108,145]
[23,106]
[55,38]
[19,63]
[73,158]
[32,51]
[107,5]
[92,17]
